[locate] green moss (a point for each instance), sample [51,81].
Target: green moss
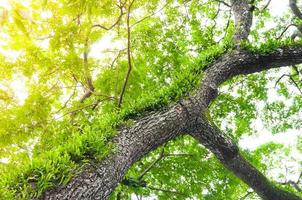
[269,46]
[56,166]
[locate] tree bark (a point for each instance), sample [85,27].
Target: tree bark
[228,154]
[98,180]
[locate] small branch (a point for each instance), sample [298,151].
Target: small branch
[285,30]
[129,57]
[291,78]
[293,183]
[224,3]
[215,16]
[165,190]
[45,38]
[246,195]
[148,16]
[178,155]
[66,102]
[72,112]
[161,156]
[116,58]
[227,26]
[121,6]
[295,83]
[90,89]
[266,5]
[279,79]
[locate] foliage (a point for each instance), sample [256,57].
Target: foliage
[47,134]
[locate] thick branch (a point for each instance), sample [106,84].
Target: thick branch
[99,180]
[297,12]
[243,19]
[243,62]
[227,152]
[295,9]
[157,128]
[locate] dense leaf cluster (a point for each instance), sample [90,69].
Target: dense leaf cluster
[50,134]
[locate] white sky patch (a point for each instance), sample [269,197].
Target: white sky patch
[4,160]
[278,7]
[5,4]
[288,138]
[46,14]
[106,45]
[19,87]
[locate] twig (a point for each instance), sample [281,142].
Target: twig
[295,83]
[227,25]
[291,78]
[246,195]
[266,5]
[285,30]
[279,79]
[128,56]
[79,109]
[294,184]
[66,102]
[148,16]
[215,16]
[116,58]
[121,6]
[168,191]
[224,3]
[90,89]
[161,155]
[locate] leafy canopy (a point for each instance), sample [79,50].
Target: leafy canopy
[63,68]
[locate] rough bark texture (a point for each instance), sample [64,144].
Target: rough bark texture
[243,19]
[227,152]
[98,180]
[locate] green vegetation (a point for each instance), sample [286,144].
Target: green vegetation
[52,133]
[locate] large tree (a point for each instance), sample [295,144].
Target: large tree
[134,98]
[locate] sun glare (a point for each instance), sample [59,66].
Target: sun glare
[5,4]
[19,87]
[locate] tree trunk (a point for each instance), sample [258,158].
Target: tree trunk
[98,180]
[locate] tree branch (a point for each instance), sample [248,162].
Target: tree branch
[243,62]
[296,11]
[90,87]
[165,190]
[243,19]
[128,56]
[228,154]
[148,16]
[121,6]
[295,184]
[246,195]
[224,3]
[160,127]
[161,155]
[280,36]
[266,6]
